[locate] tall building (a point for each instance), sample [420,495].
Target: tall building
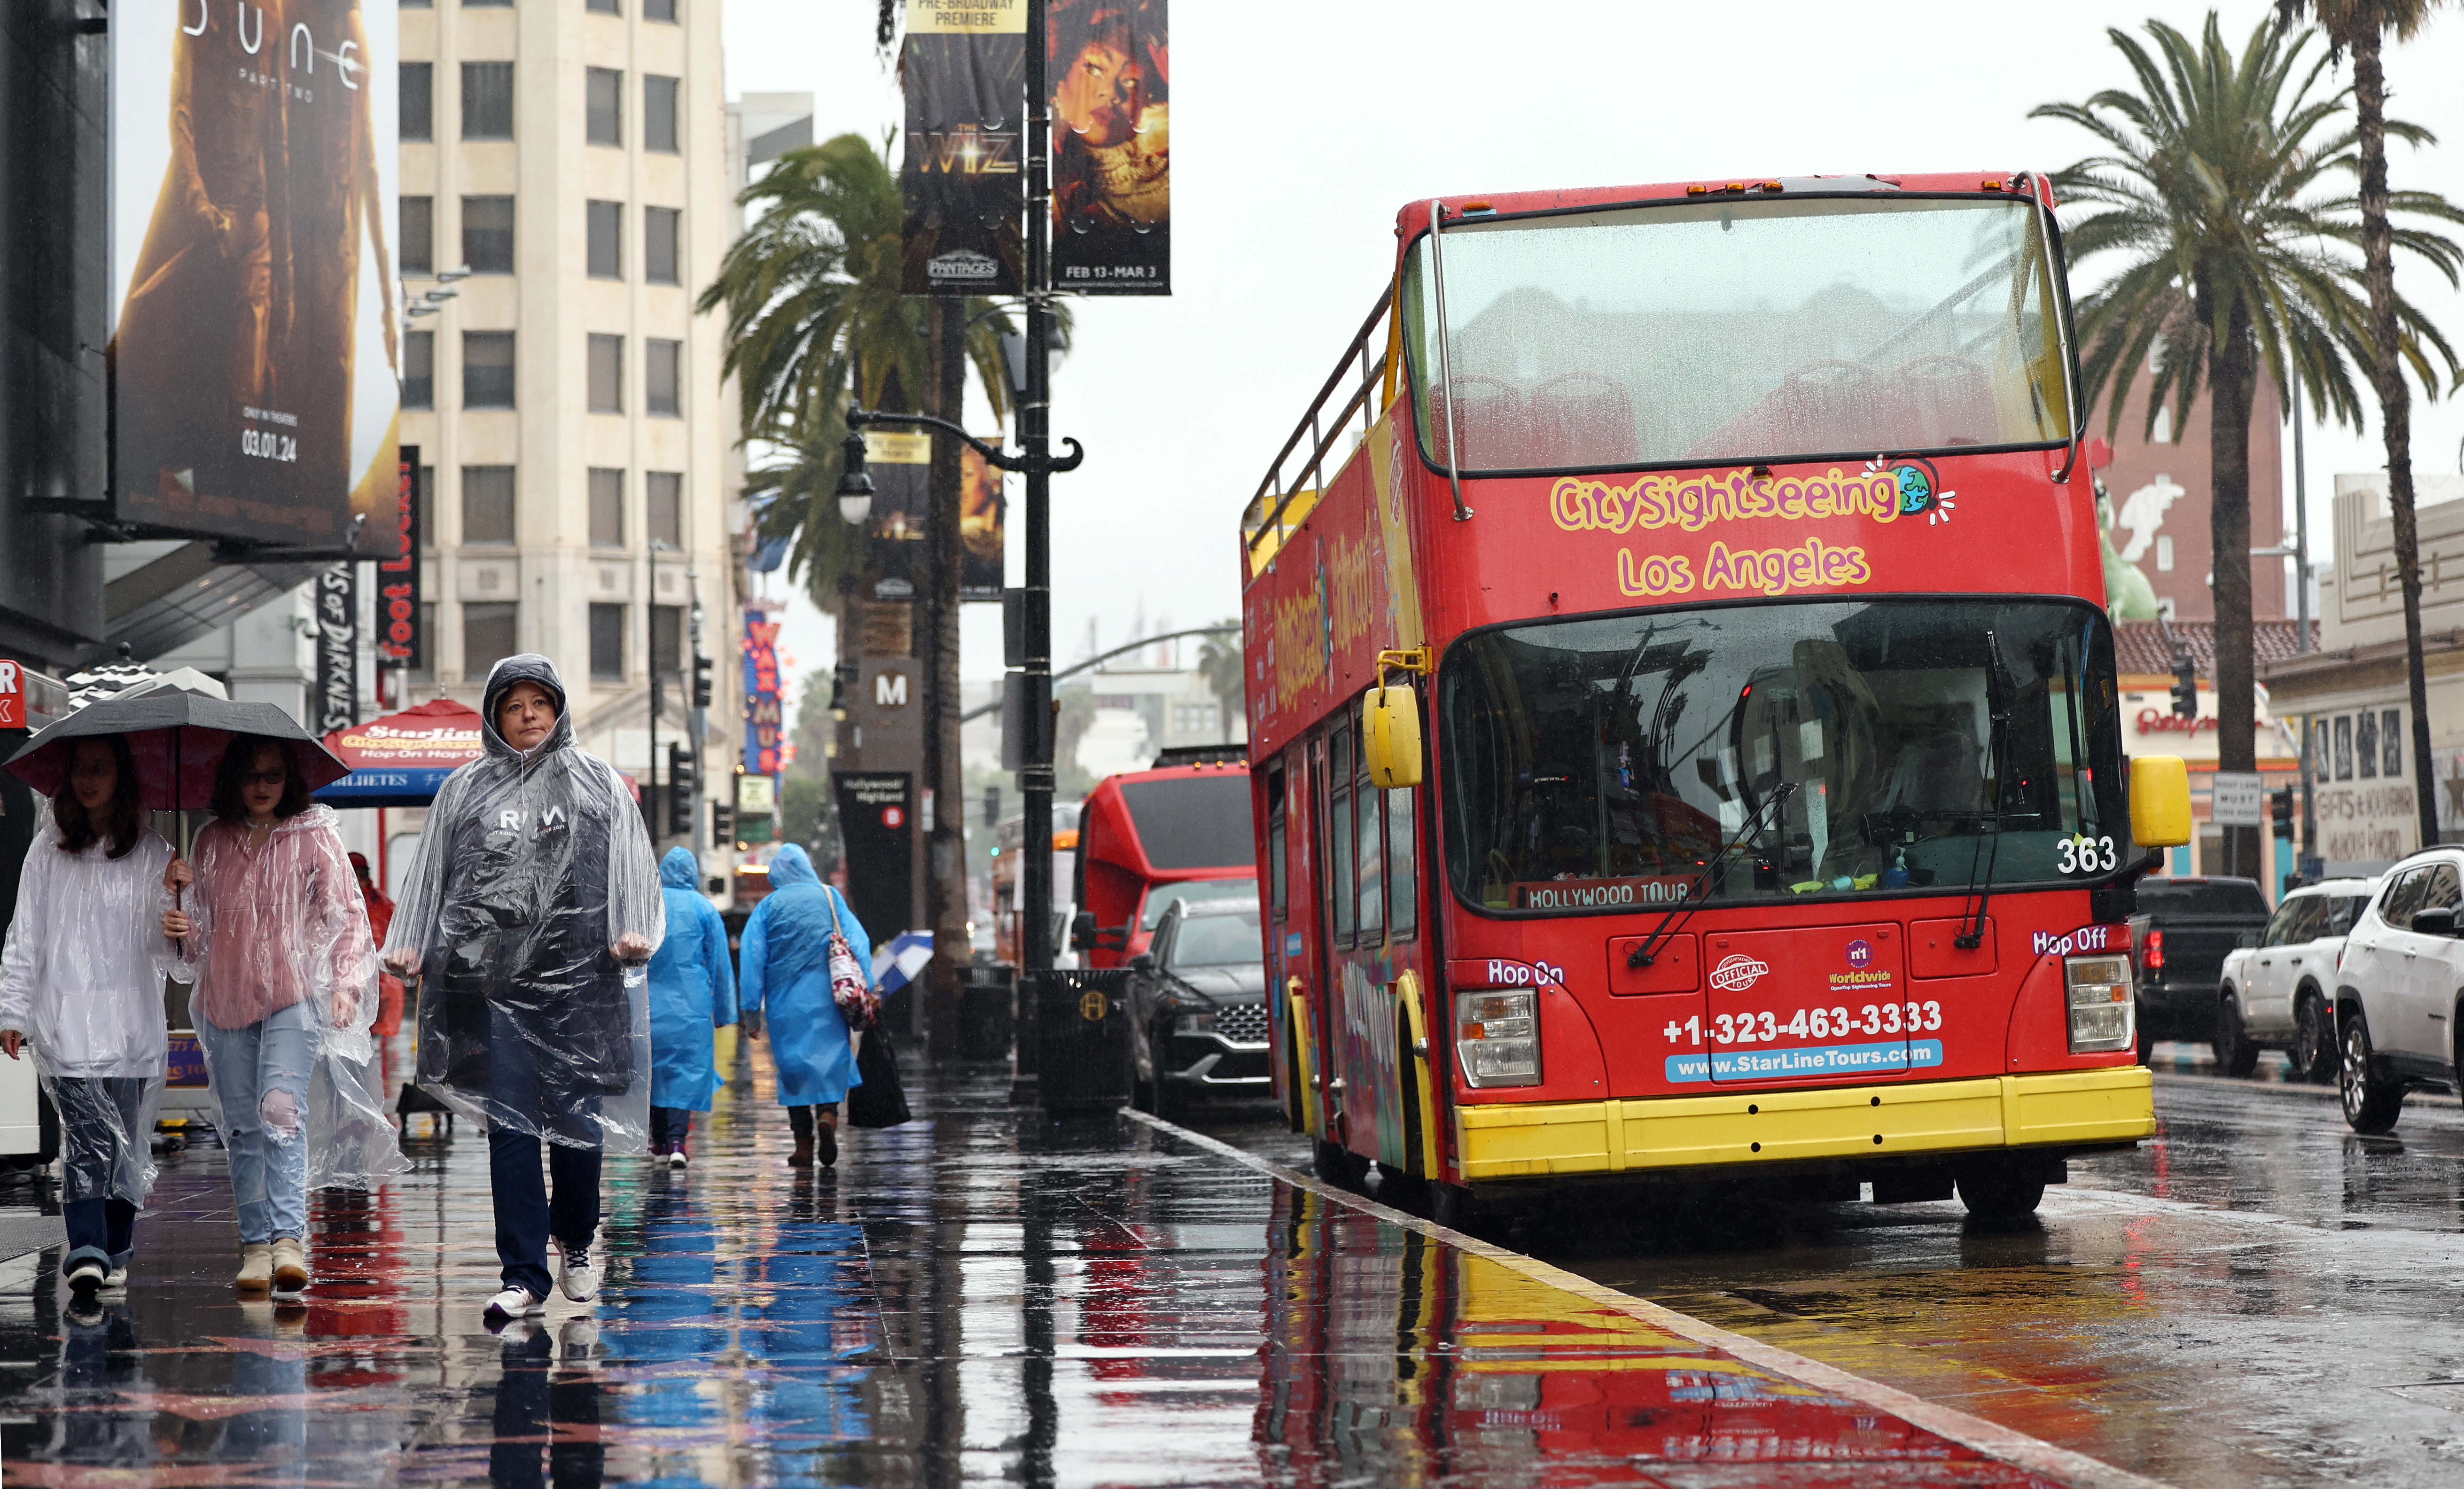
[566,171]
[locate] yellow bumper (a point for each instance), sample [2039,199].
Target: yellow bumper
[2082,1106]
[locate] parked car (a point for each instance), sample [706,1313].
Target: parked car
[2275,988]
[2185,929]
[1198,1007]
[2400,990]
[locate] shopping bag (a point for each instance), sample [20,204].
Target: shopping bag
[879,1101]
[850,983]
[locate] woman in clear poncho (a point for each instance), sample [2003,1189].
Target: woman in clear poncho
[81,983]
[531,906]
[275,934]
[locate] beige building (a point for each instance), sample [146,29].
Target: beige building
[2354,689]
[567,174]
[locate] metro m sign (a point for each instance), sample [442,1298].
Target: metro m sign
[889,691]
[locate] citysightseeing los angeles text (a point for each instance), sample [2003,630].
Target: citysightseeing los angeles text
[1683,716]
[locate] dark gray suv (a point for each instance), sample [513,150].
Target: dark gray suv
[1198,1008]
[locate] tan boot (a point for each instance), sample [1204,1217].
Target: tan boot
[290,1264]
[825,1135]
[256,1268]
[803,1156]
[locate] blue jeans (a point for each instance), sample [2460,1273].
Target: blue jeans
[519,1089]
[102,1124]
[260,1078]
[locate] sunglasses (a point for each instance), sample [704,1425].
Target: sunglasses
[265,777]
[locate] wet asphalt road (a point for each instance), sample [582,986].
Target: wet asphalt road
[2256,1296]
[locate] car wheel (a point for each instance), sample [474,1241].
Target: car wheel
[2235,1055]
[1171,1100]
[1337,1163]
[1998,1195]
[2314,1041]
[2371,1101]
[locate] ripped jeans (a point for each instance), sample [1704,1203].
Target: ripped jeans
[260,1079]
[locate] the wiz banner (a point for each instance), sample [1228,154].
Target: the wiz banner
[254,355]
[1109,65]
[965,69]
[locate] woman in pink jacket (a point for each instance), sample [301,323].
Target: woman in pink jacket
[280,936]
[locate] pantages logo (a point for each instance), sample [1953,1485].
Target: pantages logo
[963,264]
[1738,972]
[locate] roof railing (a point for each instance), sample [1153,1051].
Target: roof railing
[1320,430]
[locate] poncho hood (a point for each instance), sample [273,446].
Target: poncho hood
[527,668]
[792,865]
[679,869]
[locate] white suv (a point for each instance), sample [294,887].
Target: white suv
[2400,989]
[2276,990]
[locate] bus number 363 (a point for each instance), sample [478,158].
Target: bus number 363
[1819,1023]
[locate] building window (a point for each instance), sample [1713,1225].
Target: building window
[659,114]
[668,639]
[606,239]
[603,8]
[418,115]
[2165,554]
[487,506]
[666,490]
[487,369]
[419,371]
[486,5]
[660,227]
[663,375]
[2343,747]
[2365,745]
[2391,740]
[607,508]
[487,100]
[602,97]
[659,10]
[418,215]
[607,374]
[606,643]
[487,637]
[487,234]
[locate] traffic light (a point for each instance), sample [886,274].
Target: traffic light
[2279,806]
[992,806]
[844,678]
[2186,689]
[722,825]
[701,683]
[683,771]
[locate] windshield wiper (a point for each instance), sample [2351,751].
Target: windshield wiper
[1998,707]
[1683,909]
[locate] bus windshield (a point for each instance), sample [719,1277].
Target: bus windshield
[1748,329]
[1842,747]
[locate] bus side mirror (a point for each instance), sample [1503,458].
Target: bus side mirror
[1389,735]
[2160,801]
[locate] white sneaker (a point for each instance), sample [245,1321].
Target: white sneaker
[117,1277]
[575,1273]
[676,1159]
[577,1342]
[517,1303]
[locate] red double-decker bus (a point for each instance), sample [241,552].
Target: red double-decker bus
[1683,716]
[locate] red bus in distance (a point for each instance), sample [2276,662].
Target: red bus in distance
[1147,838]
[1749,793]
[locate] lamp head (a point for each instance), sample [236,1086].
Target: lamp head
[855,483]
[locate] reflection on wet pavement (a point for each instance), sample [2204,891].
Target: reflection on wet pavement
[970,1297]
[2258,1297]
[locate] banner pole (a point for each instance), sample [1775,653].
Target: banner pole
[1035,776]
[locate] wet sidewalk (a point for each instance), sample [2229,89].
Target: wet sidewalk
[976,1295]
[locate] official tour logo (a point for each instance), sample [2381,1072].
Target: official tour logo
[1860,954]
[1738,972]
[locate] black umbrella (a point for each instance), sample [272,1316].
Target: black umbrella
[177,738]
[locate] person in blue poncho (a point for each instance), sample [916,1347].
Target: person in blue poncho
[693,994]
[787,962]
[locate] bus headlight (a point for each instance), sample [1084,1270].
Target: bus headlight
[1497,1036]
[2103,1012]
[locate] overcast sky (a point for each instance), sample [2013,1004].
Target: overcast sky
[1298,129]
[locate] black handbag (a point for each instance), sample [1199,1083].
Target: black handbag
[879,1101]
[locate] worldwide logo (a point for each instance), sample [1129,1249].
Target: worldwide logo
[1737,972]
[1860,954]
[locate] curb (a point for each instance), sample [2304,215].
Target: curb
[1990,1438]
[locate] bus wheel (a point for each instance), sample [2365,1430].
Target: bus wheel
[1337,1163]
[1998,1194]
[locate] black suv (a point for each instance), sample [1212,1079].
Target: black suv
[1198,1007]
[2185,929]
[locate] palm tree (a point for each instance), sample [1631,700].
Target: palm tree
[2361,26]
[2212,189]
[1219,662]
